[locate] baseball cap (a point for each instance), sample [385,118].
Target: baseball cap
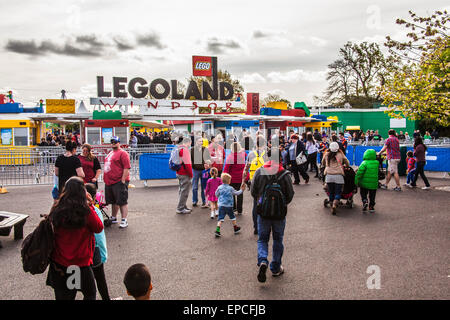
[334,147]
[115,139]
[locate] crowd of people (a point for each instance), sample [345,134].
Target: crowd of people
[56,139]
[222,170]
[138,139]
[371,136]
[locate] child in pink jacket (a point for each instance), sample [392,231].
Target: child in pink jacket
[211,186]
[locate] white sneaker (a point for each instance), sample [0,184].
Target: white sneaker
[406,184]
[426,188]
[184,211]
[212,214]
[114,220]
[124,223]
[216,212]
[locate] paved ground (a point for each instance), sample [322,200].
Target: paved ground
[326,257]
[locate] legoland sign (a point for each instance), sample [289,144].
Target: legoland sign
[139,88]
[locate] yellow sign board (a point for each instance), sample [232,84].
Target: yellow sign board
[60,105]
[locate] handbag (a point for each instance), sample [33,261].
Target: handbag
[301,158]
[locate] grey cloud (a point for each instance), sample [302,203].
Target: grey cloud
[23,47]
[151,40]
[30,47]
[90,40]
[70,50]
[122,44]
[257,34]
[217,46]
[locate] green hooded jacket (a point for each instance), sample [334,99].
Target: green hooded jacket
[367,174]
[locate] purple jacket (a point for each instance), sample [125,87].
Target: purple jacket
[235,166]
[419,153]
[211,187]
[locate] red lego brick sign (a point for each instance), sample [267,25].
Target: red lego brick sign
[201,66]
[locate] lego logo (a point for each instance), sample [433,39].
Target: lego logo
[202,66]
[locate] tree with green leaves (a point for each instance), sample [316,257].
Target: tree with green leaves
[419,87]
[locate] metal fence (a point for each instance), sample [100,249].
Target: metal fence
[31,166]
[441,142]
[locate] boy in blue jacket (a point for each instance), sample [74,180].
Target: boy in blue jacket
[225,194]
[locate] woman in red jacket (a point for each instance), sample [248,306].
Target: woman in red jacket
[235,165]
[74,225]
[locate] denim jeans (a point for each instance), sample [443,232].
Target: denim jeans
[265,226]
[195,180]
[255,214]
[410,176]
[226,211]
[334,189]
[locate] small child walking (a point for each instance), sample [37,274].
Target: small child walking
[225,195]
[411,162]
[205,177]
[367,179]
[211,186]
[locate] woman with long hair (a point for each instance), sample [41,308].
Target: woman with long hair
[419,152]
[75,224]
[90,164]
[334,161]
[312,148]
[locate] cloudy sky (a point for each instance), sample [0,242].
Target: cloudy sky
[280,47]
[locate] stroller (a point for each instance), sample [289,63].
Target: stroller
[381,170]
[100,203]
[349,190]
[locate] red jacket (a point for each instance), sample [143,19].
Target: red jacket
[235,165]
[76,246]
[186,167]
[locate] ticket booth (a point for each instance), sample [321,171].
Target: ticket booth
[18,133]
[99,132]
[17,140]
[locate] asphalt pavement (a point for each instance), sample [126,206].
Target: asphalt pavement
[325,257]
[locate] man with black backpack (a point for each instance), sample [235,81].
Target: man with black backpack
[272,189]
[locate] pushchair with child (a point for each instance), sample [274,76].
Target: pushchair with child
[381,169]
[349,190]
[101,204]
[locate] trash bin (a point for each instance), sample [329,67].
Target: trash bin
[402,166]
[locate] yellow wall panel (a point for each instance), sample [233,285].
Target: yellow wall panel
[60,105]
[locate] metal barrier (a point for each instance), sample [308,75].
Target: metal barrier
[36,166]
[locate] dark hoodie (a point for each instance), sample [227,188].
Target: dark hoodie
[262,178]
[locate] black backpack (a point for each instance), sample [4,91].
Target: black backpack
[37,248]
[273,204]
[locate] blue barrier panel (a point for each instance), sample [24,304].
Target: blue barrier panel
[154,166]
[350,154]
[438,159]
[359,153]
